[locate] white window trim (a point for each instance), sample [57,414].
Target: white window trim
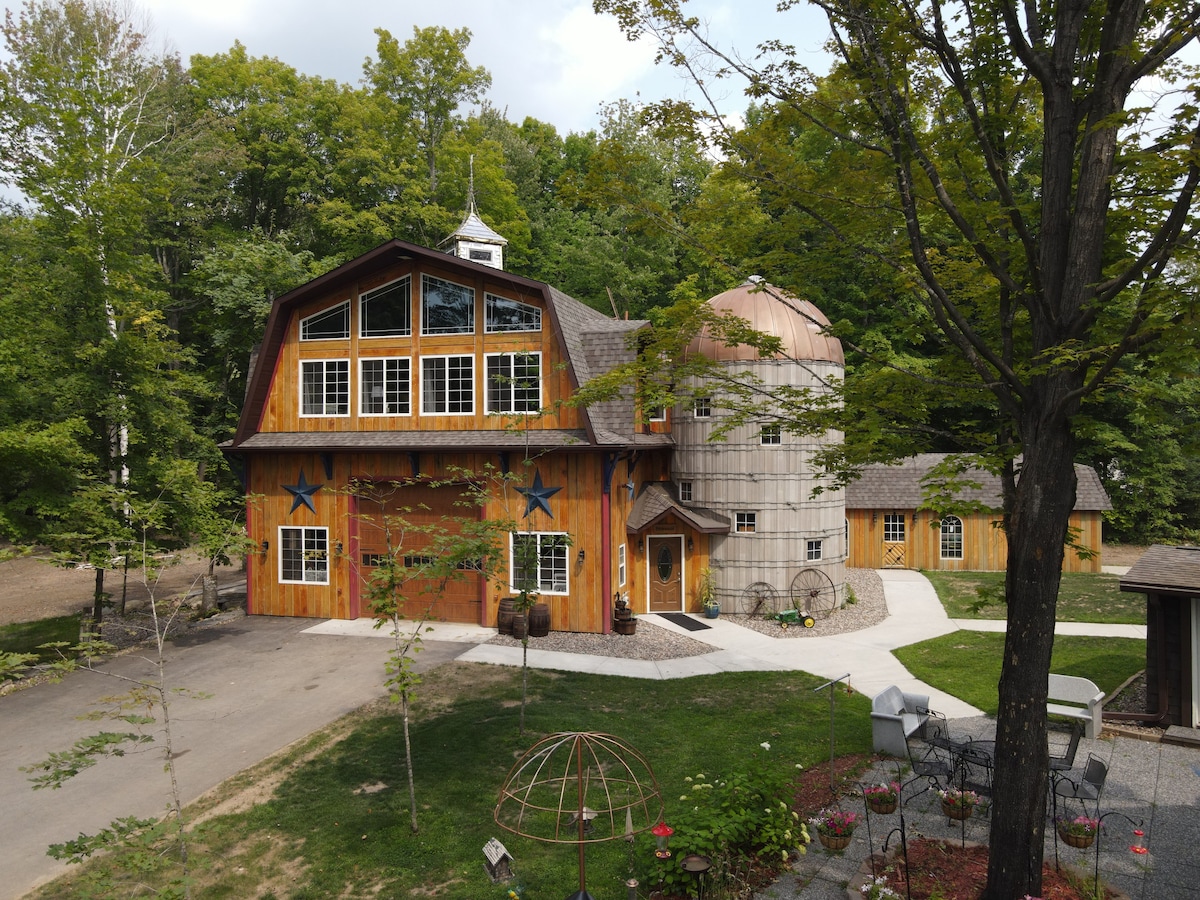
[687,488]
[696,413]
[770,435]
[303,542]
[362,381]
[622,566]
[512,563]
[811,545]
[323,312]
[511,384]
[752,521]
[365,295]
[658,414]
[470,290]
[962,550]
[897,518]
[421,386]
[488,329]
[300,384]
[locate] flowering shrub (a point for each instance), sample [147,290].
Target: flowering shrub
[882,792]
[1080,826]
[834,822]
[956,798]
[877,889]
[735,821]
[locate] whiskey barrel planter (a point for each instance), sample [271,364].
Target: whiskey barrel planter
[504,616]
[539,620]
[519,626]
[625,626]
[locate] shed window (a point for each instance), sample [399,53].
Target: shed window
[893,528]
[304,555]
[952,538]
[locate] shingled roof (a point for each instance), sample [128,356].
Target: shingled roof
[899,486]
[1165,570]
[658,499]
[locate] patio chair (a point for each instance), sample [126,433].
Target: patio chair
[933,764]
[1089,787]
[1067,760]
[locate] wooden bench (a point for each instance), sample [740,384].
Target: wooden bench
[895,716]
[1076,698]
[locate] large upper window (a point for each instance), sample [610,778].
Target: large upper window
[446,308]
[448,385]
[386,311]
[952,538]
[539,562]
[325,387]
[511,315]
[514,382]
[327,325]
[304,555]
[386,386]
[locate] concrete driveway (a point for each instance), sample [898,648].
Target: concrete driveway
[270,685]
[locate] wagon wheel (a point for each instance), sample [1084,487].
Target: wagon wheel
[813,593]
[759,599]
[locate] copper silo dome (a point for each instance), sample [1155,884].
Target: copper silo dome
[798,323]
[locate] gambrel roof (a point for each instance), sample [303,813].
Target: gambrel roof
[899,486]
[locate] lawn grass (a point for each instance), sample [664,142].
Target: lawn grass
[1083,597]
[966,664]
[26,637]
[321,836]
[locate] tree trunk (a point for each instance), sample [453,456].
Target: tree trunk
[98,597]
[1037,524]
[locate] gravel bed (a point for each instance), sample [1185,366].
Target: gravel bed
[654,643]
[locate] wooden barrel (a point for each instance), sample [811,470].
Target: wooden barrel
[518,625]
[504,616]
[539,620]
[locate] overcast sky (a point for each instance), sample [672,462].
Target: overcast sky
[554,60]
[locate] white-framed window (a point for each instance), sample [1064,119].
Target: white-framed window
[447,385]
[386,311]
[502,314]
[303,555]
[658,414]
[685,492]
[446,307]
[771,434]
[814,549]
[476,254]
[702,407]
[952,538]
[327,325]
[745,522]
[893,528]
[385,386]
[514,382]
[538,562]
[622,571]
[325,387]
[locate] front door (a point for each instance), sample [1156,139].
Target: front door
[893,541]
[665,556]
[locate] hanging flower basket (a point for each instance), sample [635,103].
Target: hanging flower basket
[834,841]
[882,798]
[882,807]
[958,805]
[1079,832]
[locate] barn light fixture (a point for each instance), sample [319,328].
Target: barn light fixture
[581,557]
[641,544]
[266,545]
[691,545]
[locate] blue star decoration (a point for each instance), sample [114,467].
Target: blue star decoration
[538,495]
[302,492]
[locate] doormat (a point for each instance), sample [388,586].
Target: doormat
[684,621]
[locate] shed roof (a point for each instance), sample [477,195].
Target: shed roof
[899,486]
[1165,570]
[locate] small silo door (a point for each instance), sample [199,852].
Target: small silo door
[665,558]
[894,541]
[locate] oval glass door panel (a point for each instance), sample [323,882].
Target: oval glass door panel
[666,563]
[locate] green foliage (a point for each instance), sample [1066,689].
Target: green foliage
[1082,597]
[60,766]
[139,842]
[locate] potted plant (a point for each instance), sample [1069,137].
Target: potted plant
[882,798]
[958,804]
[624,621]
[834,828]
[1078,832]
[706,594]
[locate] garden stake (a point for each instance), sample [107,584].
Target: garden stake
[1136,848]
[830,684]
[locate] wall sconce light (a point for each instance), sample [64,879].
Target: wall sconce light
[641,544]
[691,545]
[580,558]
[266,545]
[337,549]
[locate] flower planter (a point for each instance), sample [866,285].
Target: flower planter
[1081,841]
[957,812]
[882,806]
[519,626]
[711,612]
[834,841]
[625,626]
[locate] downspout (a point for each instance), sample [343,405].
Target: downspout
[352,545]
[606,608]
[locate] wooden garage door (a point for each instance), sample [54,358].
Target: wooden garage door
[413,520]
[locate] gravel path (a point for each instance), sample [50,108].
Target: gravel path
[654,643]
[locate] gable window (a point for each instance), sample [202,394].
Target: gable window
[304,555]
[539,562]
[447,385]
[386,386]
[893,528]
[503,314]
[685,492]
[702,407]
[658,414]
[514,382]
[771,434]
[745,522]
[386,311]
[952,538]
[325,387]
[446,308]
[327,325]
[813,550]
[621,569]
